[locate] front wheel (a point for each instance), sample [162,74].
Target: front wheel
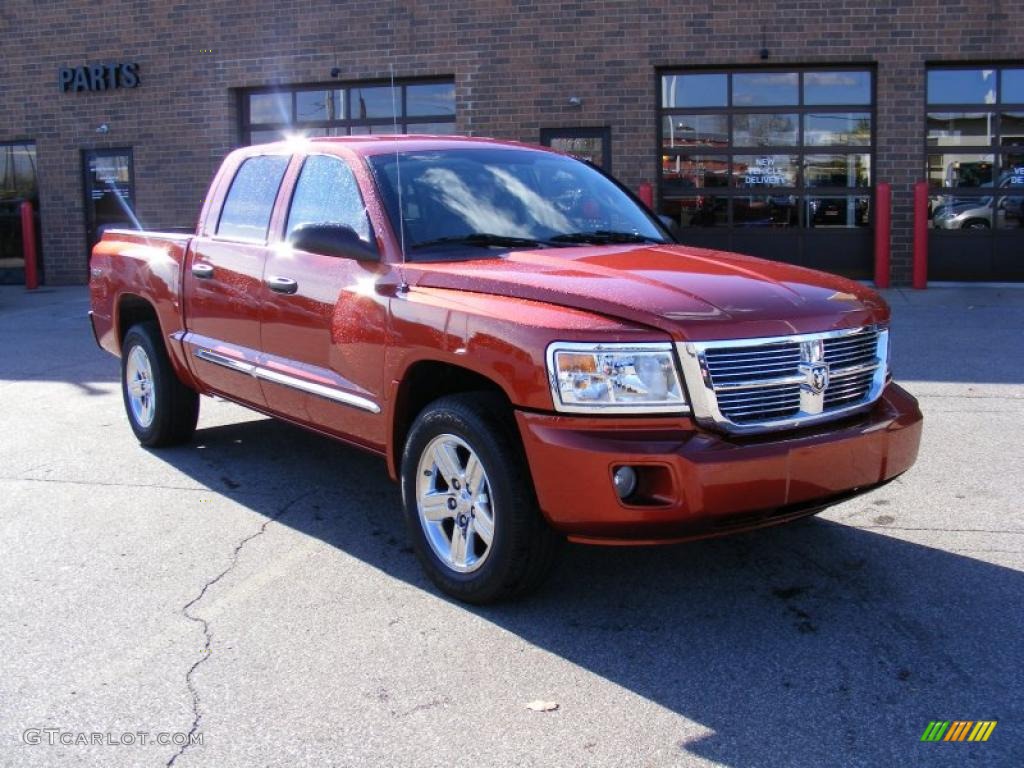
[469,502]
[161,410]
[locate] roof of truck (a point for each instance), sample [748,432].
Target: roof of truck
[383,143]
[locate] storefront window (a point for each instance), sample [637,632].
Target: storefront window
[694,90]
[1012,133]
[837,171]
[783,150]
[705,211]
[962,86]
[837,88]
[690,130]
[684,173]
[761,89]
[776,211]
[825,129]
[430,99]
[356,108]
[312,105]
[958,170]
[270,108]
[975,171]
[376,101]
[1013,86]
[974,164]
[765,171]
[771,130]
[847,211]
[960,128]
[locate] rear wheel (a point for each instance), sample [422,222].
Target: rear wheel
[161,410]
[469,502]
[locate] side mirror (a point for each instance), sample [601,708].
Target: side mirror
[333,240]
[670,224]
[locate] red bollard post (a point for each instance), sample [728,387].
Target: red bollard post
[883,230]
[920,267]
[28,240]
[646,194]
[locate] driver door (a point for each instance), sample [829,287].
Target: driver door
[322,321]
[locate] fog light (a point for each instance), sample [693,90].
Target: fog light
[624,480]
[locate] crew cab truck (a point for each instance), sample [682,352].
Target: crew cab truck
[522,341]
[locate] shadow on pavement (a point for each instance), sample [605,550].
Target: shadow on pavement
[813,644]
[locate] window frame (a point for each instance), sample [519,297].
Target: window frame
[798,189]
[246,127]
[269,233]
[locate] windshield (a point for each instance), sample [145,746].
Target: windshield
[454,200]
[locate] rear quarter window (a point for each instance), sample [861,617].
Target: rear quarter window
[250,200]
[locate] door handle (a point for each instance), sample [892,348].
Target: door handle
[282,284]
[202,271]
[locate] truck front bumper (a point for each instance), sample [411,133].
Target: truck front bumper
[695,484]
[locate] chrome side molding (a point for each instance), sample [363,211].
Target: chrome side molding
[268,374]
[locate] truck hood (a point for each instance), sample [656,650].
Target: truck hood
[690,293]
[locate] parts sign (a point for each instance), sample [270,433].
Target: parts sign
[98,77]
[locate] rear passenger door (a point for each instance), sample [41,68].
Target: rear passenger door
[323,319]
[224,282]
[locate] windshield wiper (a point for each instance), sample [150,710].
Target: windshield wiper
[603,236]
[482,240]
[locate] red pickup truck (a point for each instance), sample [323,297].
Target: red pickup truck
[524,344]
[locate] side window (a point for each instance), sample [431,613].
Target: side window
[250,201]
[327,193]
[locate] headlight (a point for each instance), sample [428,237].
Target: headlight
[615,378]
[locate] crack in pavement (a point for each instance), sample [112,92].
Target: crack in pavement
[197,716]
[938,530]
[102,484]
[927,396]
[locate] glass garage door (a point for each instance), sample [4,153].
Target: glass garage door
[975,171]
[775,163]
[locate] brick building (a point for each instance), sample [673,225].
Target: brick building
[763,127]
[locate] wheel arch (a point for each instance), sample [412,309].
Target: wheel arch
[131,309]
[423,382]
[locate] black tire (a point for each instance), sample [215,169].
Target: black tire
[976,224]
[175,407]
[523,548]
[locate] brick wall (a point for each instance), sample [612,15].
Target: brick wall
[515,65]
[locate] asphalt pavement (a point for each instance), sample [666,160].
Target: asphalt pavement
[256,590]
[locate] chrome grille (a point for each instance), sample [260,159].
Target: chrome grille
[745,405]
[729,365]
[856,349]
[756,385]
